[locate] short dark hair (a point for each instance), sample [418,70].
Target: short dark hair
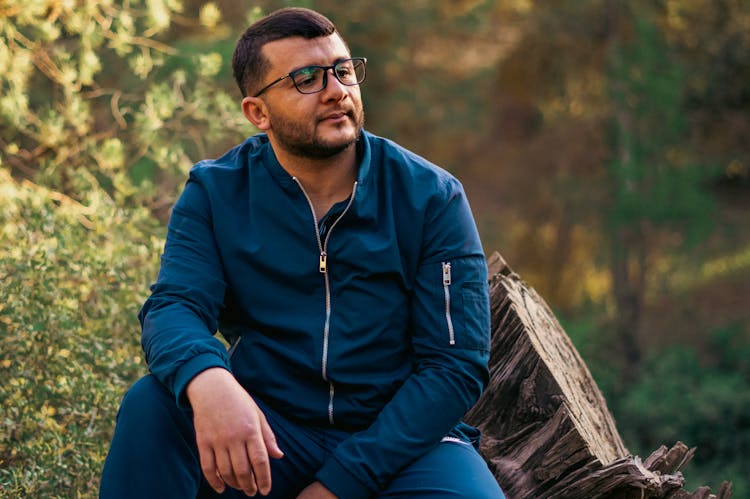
[248,63]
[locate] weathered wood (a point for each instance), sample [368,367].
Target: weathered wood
[547,432]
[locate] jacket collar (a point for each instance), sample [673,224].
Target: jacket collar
[269,160]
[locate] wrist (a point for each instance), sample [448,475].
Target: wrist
[189,371]
[207,380]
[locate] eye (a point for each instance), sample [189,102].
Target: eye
[307,77]
[345,71]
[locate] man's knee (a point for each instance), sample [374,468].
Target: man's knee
[147,403]
[150,421]
[472,478]
[449,471]
[153,450]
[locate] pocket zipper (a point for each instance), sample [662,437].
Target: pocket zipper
[447,292]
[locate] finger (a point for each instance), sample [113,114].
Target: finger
[256,451]
[269,438]
[243,470]
[208,465]
[224,465]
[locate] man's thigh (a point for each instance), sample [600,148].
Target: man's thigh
[450,470]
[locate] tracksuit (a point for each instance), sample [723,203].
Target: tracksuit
[364,333]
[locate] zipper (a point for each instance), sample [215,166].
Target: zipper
[447,293]
[323,269]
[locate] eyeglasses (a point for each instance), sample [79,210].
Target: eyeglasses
[312,79]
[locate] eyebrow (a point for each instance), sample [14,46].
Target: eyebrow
[335,61]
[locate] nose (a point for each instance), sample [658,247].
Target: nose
[334,89]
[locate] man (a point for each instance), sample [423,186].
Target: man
[349,278]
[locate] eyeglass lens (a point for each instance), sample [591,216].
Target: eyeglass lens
[313,78]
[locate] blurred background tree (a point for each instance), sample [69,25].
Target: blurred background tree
[604,145]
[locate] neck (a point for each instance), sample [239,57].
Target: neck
[326,181]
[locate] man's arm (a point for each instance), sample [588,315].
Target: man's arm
[179,321]
[180,317]
[451,328]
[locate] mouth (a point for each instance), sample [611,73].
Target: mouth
[336,116]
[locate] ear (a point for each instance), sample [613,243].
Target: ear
[256,112]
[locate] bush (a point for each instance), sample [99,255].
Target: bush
[102,117]
[73,277]
[702,401]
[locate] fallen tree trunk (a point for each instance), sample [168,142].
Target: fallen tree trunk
[547,432]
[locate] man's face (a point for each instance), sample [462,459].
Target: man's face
[317,125]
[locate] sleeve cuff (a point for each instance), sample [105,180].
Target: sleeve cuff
[190,370]
[343,484]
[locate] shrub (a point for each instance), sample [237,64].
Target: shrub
[703,401]
[102,117]
[73,277]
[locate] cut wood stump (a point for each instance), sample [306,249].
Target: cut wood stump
[547,431]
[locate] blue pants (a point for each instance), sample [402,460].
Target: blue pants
[154,455]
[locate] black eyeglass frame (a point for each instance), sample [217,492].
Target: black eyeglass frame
[325,76]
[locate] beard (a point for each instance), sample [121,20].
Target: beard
[301,138]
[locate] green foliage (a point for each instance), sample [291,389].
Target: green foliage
[700,396]
[101,119]
[702,401]
[66,103]
[73,277]
[653,178]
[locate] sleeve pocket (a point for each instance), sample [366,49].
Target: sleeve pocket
[476,315]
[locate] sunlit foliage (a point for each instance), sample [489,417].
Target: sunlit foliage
[92,86]
[101,116]
[68,340]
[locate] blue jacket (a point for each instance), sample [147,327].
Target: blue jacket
[375,320]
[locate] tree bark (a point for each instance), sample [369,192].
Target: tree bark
[547,431]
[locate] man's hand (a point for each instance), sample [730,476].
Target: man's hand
[233,436]
[316,490]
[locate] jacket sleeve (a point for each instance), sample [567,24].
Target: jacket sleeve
[179,319]
[450,339]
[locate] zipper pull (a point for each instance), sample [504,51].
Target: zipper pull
[446,273]
[323,265]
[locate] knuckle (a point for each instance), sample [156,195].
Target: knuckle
[240,432]
[226,471]
[243,473]
[259,458]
